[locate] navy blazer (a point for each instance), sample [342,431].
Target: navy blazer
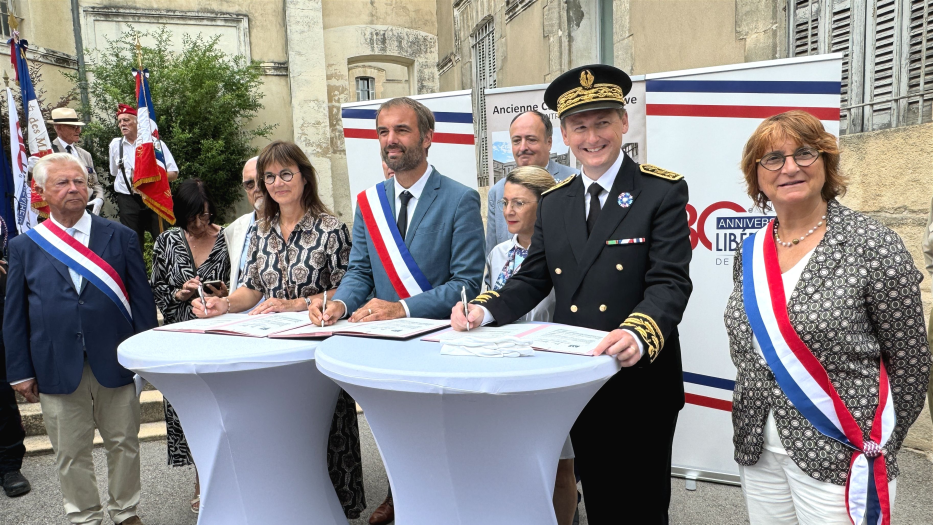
[49,328]
[446,240]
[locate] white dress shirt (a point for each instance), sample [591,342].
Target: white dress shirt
[82,234]
[64,147]
[129,160]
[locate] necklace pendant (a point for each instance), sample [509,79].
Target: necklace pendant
[795,241]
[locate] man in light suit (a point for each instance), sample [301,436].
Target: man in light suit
[531,134]
[67,134]
[240,231]
[61,327]
[440,222]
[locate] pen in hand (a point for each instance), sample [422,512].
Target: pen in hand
[323,309]
[466,308]
[201,294]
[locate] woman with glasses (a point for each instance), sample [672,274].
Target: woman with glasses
[183,258]
[826,330]
[299,252]
[519,206]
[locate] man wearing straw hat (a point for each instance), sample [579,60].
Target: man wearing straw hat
[67,134]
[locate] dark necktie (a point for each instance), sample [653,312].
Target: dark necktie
[403,213]
[594,190]
[68,149]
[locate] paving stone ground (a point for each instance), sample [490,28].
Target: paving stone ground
[166,491]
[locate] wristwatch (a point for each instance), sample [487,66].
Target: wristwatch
[307,301]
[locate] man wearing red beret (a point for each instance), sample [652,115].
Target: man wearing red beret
[133,213]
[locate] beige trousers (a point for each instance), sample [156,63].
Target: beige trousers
[70,420]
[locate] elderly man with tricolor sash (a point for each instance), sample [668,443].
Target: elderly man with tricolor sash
[417,237]
[77,288]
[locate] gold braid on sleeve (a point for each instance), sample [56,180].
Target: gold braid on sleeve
[648,330]
[485,296]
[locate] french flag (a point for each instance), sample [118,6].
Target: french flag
[149,177]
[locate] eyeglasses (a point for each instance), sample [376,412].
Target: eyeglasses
[204,218]
[249,184]
[285,175]
[517,205]
[803,157]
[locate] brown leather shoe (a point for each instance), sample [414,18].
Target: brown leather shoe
[132,521]
[384,514]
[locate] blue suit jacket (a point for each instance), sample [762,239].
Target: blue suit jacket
[445,238]
[48,327]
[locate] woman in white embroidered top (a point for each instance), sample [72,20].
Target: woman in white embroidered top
[519,205]
[825,314]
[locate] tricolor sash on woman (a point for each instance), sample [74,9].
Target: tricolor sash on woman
[78,257]
[806,384]
[406,278]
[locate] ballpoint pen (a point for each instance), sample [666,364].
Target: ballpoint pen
[466,308]
[201,294]
[323,309]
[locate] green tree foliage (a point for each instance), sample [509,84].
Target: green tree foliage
[204,102]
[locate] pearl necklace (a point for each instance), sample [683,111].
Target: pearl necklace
[795,241]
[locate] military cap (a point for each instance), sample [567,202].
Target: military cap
[596,86]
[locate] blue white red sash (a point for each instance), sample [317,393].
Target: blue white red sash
[806,384]
[76,256]
[400,266]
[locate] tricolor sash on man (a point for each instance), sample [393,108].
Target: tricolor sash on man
[806,384]
[149,176]
[406,278]
[39,143]
[78,257]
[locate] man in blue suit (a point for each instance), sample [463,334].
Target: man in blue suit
[76,289]
[417,237]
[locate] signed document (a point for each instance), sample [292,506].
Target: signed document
[403,328]
[549,337]
[263,325]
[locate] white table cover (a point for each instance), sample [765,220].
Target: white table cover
[466,440]
[256,414]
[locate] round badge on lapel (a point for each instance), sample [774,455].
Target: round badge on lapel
[625,199]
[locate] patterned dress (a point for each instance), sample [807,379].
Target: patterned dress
[172,266]
[313,259]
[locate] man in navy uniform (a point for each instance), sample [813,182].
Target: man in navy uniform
[615,246]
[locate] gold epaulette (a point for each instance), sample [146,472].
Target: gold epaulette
[658,172]
[645,327]
[485,296]
[560,184]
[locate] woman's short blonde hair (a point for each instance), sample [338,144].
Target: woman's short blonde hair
[804,129]
[535,178]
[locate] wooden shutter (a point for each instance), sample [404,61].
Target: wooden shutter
[881,50]
[920,61]
[484,77]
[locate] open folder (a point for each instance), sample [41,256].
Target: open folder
[549,337]
[297,325]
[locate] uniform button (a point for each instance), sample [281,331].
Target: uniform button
[573,308]
[80,302]
[619,267]
[602,308]
[557,271]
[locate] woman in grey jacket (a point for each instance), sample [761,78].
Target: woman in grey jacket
[826,307]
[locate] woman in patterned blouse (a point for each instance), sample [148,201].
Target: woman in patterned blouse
[853,298]
[182,258]
[300,251]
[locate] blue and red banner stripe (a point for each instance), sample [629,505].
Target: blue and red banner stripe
[713,382]
[448,121]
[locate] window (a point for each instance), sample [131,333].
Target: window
[606,43]
[887,71]
[5,20]
[484,77]
[365,88]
